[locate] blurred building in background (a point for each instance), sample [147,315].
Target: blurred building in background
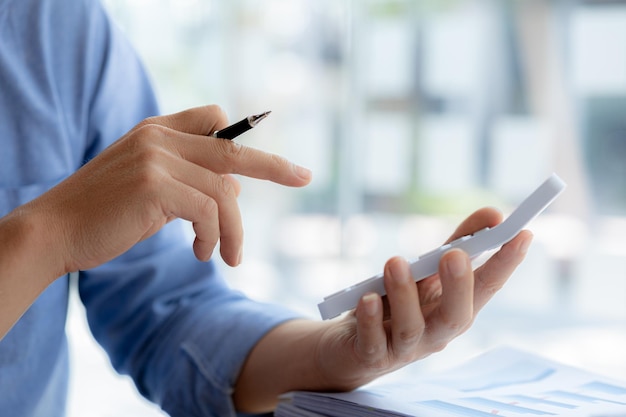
[412,114]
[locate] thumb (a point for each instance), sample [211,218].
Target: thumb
[202,120]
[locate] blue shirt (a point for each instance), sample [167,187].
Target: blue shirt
[70,85]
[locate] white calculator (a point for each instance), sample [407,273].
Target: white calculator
[474,245]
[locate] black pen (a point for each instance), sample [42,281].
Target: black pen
[234,130]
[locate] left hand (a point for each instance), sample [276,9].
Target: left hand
[414,321]
[383,333]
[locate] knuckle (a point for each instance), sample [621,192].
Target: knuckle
[147,157]
[372,352]
[406,343]
[147,173]
[216,111]
[279,162]
[210,114]
[454,324]
[150,129]
[225,188]
[372,359]
[148,122]
[492,289]
[148,180]
[154,129]
[217,115]
[439,346]
[231,151]
[410,336]
[146,136]
[206,206]
[488,286]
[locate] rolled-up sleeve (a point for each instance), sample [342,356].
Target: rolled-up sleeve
[173,324]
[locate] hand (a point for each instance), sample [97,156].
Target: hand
[164,168]
[413,321]
[381,334]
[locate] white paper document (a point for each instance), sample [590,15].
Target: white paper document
[504,382]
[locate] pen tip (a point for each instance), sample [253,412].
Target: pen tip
[258,117]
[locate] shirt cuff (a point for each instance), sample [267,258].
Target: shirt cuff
[214,344]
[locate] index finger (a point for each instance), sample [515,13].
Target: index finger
[202,120]
[484,217]
[227,157]
[492,276]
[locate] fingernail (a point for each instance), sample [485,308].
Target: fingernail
[302,172]
[397,272]
[456,266]
[525,245]
[370,301]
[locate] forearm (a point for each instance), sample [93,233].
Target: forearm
[27,264]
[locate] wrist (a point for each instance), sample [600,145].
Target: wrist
[28,265]
[30,246]
[285,359]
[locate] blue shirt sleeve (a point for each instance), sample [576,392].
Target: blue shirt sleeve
[174,325]
[164,318]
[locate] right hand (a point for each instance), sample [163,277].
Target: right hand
[164,168]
